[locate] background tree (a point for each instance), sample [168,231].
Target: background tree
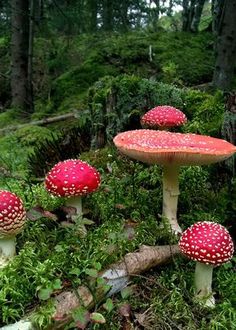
[216,8]
[197,15]
[19,54]
[191,14]
[226,47]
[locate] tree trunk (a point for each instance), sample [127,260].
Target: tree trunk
[229,129]
[226,47]
[197,15]
[216,9]
[124,6]
[19,54]
[93,11]
[155,14]
[107,16]
[188,14]
[170,8]
[30,55]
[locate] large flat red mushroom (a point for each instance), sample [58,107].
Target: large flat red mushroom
[172,150]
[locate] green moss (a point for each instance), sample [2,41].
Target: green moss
[205,112]
[8,118]
[78,80]
[177,57]
[29,135]
[118,103]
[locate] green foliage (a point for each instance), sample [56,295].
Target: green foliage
[125,212]
[67,143]
[8,118]
[29,135]
[66,67]
[191,55]
[205,111]
[78,80]
[117,103]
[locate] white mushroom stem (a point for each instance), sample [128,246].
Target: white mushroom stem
[76,202]
[7,250]
[170,196]
[203,283]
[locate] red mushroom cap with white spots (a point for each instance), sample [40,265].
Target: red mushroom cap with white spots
[165,148]
[12,214]
[207,242]
[163,116]
[72,177]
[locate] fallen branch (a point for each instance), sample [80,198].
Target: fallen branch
[41,122]
[116,276]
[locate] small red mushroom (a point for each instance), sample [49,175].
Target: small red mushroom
[72,178]
[163,117]
[172,150]
[210,244]
[12,220]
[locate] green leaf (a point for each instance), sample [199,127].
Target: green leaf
[86,221]
[97,318]
[45,294]
[91,272]
[81,317]
[97,266]
[57,284]
[108,305]
[75,271]
[126,292]
[59,248]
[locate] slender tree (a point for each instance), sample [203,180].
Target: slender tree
[197,15]
[19,54]
[187,14]
[226,47]
[191,14]
[216,8]
[92,6]
[107,15]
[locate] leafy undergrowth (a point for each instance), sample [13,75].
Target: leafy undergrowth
[121,216]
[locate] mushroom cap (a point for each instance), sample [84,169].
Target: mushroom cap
[207,242]
[163,116]
[12,214]
[165,148]
[72,177]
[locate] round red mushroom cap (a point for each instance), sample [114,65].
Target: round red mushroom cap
[12,214]
[165,148]
[72,177]
[207,242]
[163,116]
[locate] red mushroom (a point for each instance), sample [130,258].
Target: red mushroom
[172,150]
[72,178]
[163,117]
[210,245]
[12,219]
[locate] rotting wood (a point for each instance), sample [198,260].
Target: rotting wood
[41,122]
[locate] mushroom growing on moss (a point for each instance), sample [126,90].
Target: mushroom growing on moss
[163,117]
[172,150]
[72,179]
[210,245]
[12,220]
